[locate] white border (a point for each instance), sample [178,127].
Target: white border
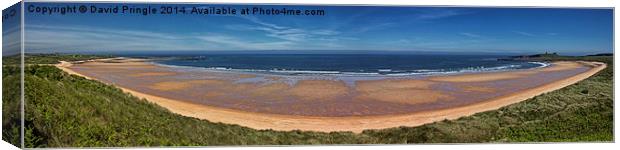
[483,3]
[21,78]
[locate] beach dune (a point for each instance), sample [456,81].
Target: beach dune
[327,104]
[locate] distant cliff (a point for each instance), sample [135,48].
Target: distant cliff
[603,54]
[531,57]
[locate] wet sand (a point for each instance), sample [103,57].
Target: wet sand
[327,103]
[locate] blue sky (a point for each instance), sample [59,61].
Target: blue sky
[435,29]
[11,39]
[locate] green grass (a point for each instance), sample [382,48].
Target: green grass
[69,111]
[11,113]
[48,58]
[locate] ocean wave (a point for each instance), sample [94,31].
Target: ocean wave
[542,64]
[377,72]
[360,73]
[304,71]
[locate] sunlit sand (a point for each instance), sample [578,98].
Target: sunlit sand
[264,101]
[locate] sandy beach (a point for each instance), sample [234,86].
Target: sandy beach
[326,104]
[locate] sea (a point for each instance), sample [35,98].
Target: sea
[350,64]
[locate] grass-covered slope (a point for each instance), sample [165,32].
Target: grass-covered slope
[11,112]
[65,110]
[69,111]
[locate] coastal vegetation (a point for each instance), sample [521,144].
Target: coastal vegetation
[11,112]
[65,110]
[49,58]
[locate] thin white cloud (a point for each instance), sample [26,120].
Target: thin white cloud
[325,32]
[471,35]
[294,35]
[431,14]
[132,33]
[524,33]
[284,32]
[11,41]
[552,34]
[70,38]
[372,27]
[80,38]
[244,44]
[258,21]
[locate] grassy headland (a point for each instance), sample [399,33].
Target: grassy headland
[65,110]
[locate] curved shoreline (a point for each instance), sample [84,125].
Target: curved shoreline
[303,73]
[353,123]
